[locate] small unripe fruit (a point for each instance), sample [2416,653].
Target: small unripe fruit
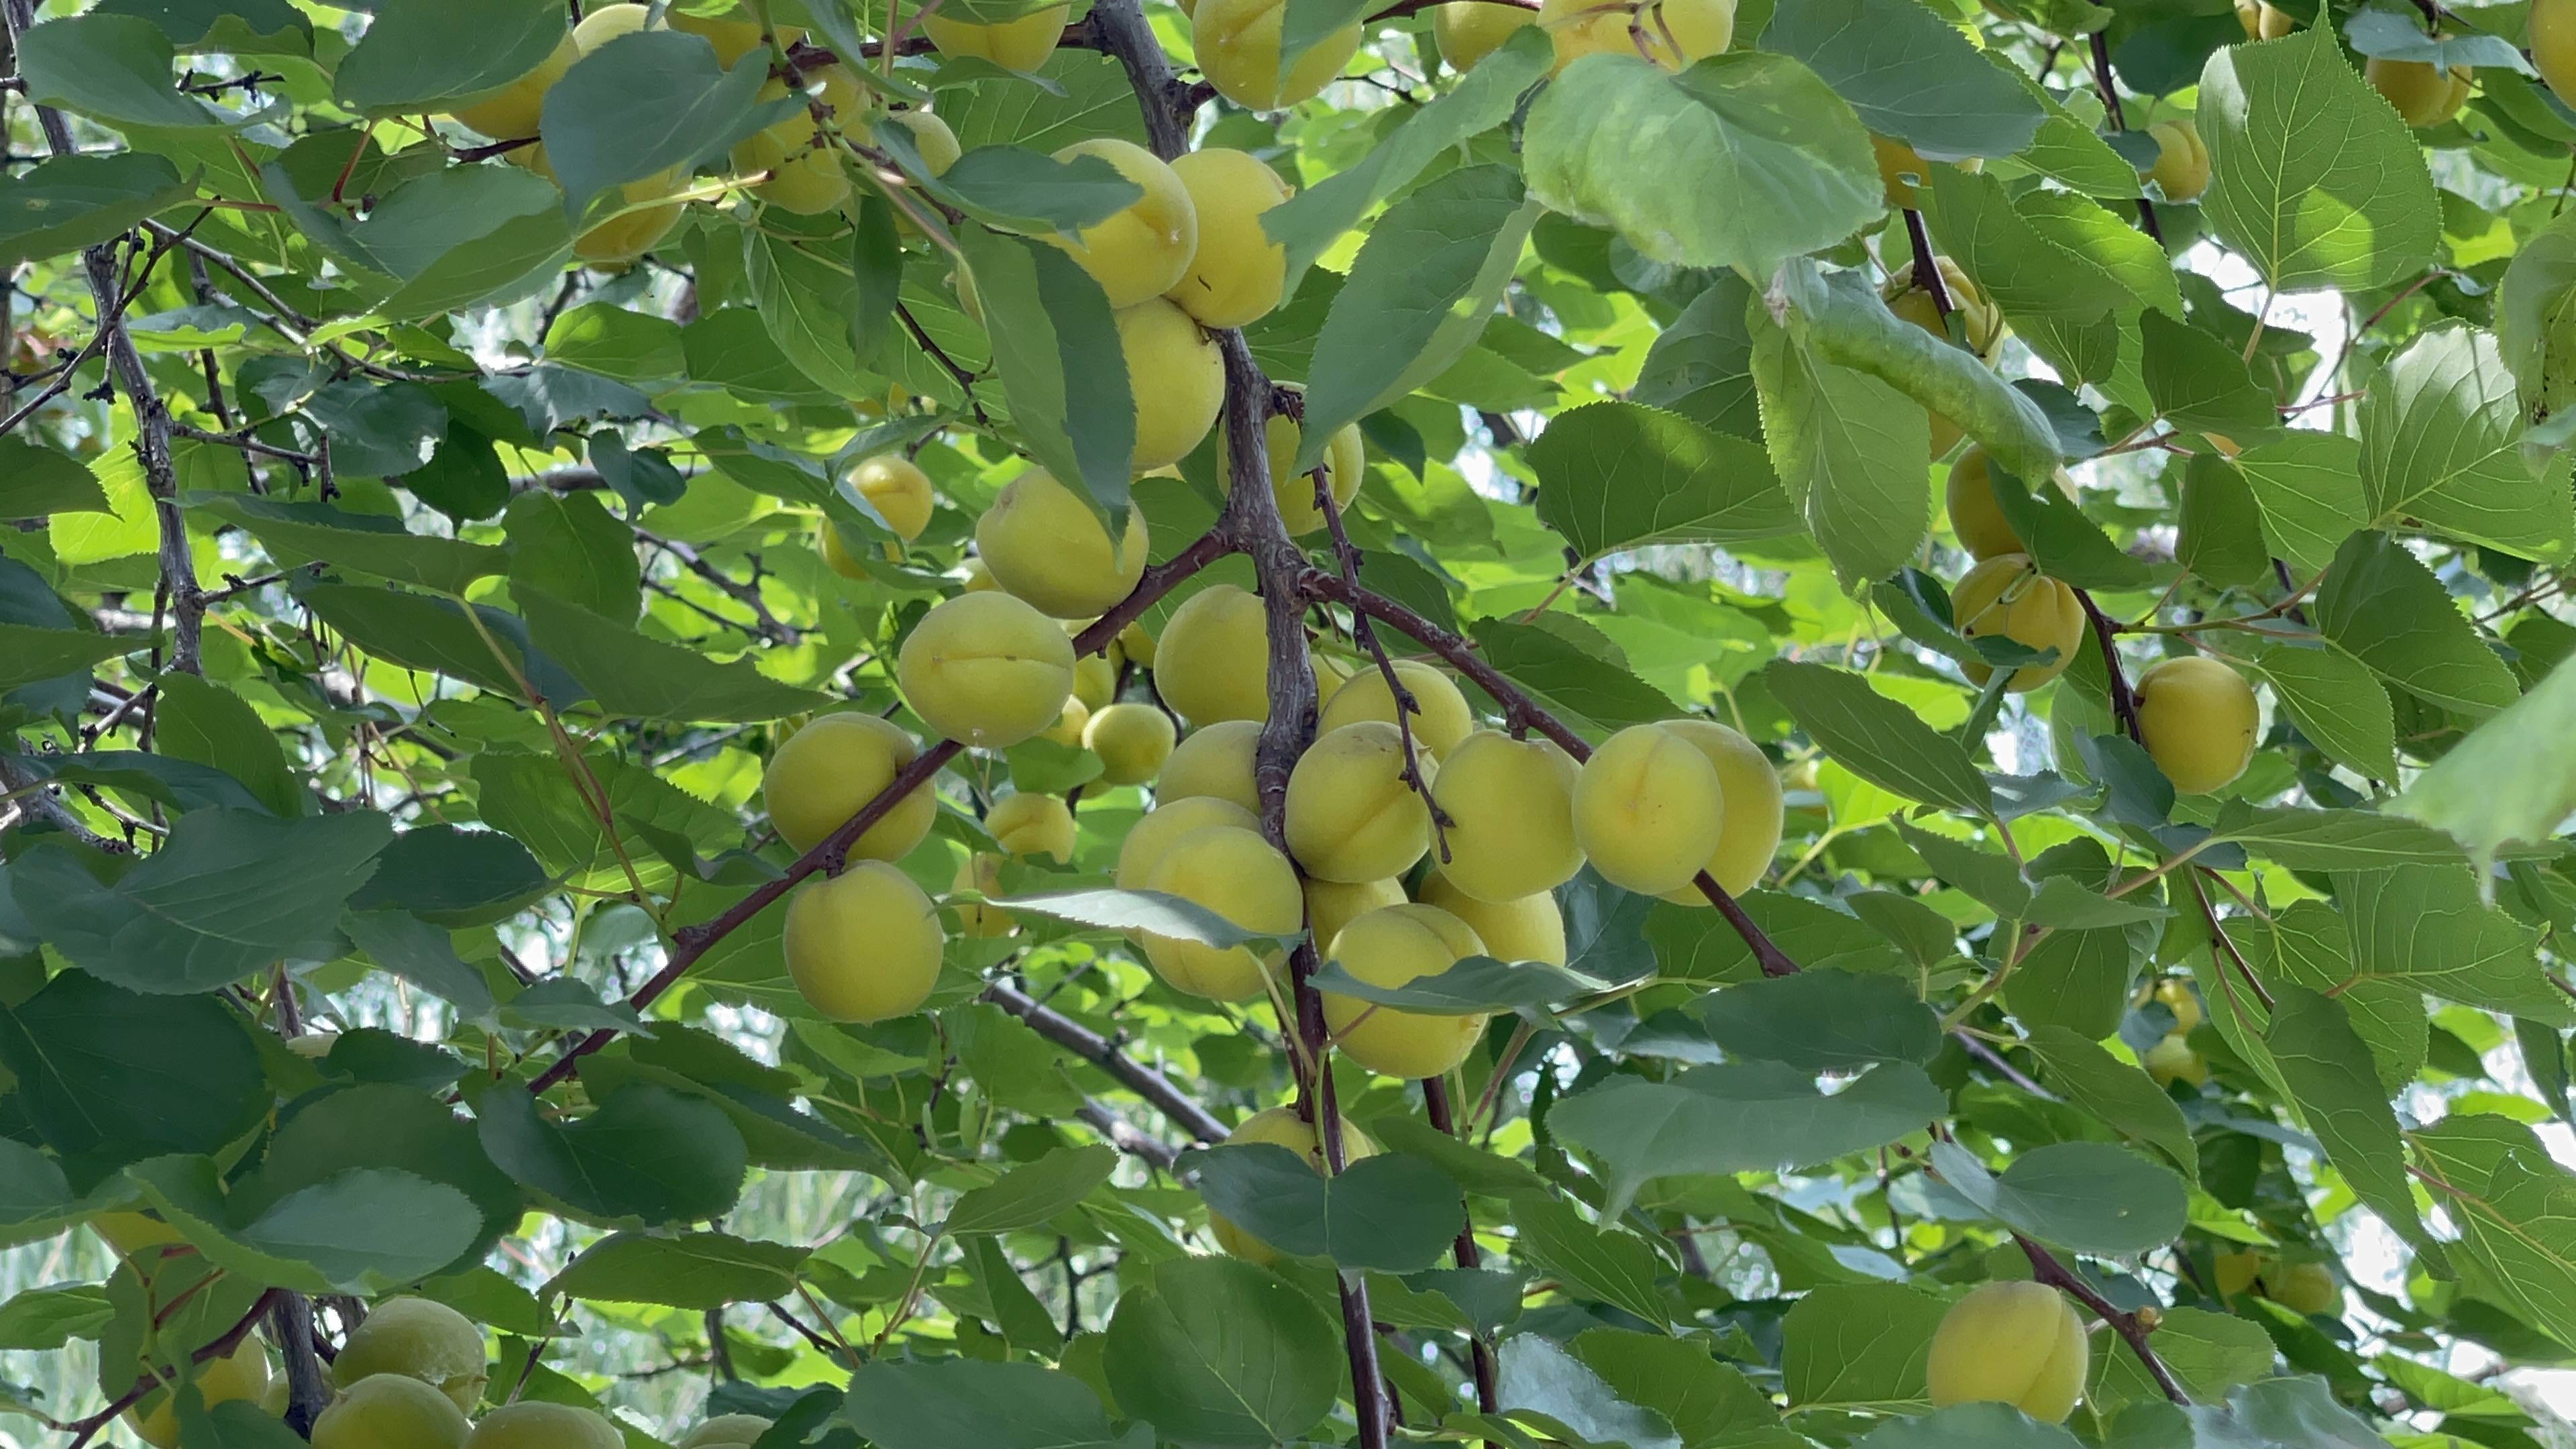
[1095,679]
[2237,1271]
[1898,161]
[1150,838]
[2177,997]
[2182,160]
[241,1374]
[1213,662]
[1022,45]
[2172,1060]
[535,1424]
[1330,675]
[1281,1127]
[805,174]
[2422,93]
[1755,808]
[1140,251]
[1132,740]
[863,945]
[1332,904]
[2551,33]
[1245,880]
[1215,761]
[428,1341]
[1028,824]
[2305,1288]
[1671,33]
[976,577]
[2200,719]
[829,770]
[633,230]
[898,490]
[1468,30]
[1138,645]
[1531,928]
[1238,49]
[986,670]
[390,1411]
[1068,727]
[1390,947]
[1649,810]
[1510,805]
[601,24]
[1975,517]
[1352,816]
[2011,1343]
[734,34]
[1238,273]
[1345,465]
[2006,595]
[513,110]
[1177,379]
[837,554]
[725,1429]
[130,1233]
[1042,543]
[981,873]
[2262,21]
[1441,721]
[931,140]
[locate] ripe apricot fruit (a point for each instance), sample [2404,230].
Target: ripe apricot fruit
[1332,904]
[1441,719]
[2011,1343]
[1649,810]
[1132,740]
[863,945]
[1510,805]
[1238,272]
[1029,824]
[1345,465]
[1755,808]
[898,490]
[240,1374]
[1245,880]
[509,112]
[1352,816]
[2008,596]
[725,1429]
[2182,160]
[1141,250]
[1389,947]
[1151,837]
[535,1424]
[2423,93]
[1530,928]
[390,1411]
[1022,45]
[1176,377]
[1215,761]
[428,1341]
[1469,30]
[1042,543]
[2200,719]
[1238,49]
[1671,33]
[986,670]
[981,873]
[827,771]
[1213,662]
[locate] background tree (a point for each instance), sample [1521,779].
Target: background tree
[1714,723]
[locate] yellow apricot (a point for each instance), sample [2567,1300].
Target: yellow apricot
[1671,33]
[981,873]
[604,23]
[1442,720]
[1176,376]
[931,140]
[2178,998]
[2305,1288]
[1649,810]
[735,33]
[1330,675]
[1216,762]
[1132,740]
[390,1411]
[1332,904]
[838,556]
[863,945]
[1755,808]
[428,1341]
[1022,45]
[2237,1271]
[509,112]
[1389,947]
[898,490]
[2269,22]
[1531,928]
[1095,679]
[1213,662]
[1238,49]
[1975,517]
[829,770]
[2172,1060]
[1029,824]
[1469,30]
[1141,251]
[1238,273]
[535,1424]
[1043,543]
[2011,1343]
[240,1374]
[2551,34]
[986,670]
[1352,816]
[632,231]
[1245,880]
[1510,805]
[129,1233]
[1137,644]
[725,1429]
[976,577]
[2423,94]
[2199,718]
[1068,727]
[1897,162]
[1150,838]
[2008,595]
[1981,324]
[1281,1127]
[2182,160]
[803,171]
[1345,465]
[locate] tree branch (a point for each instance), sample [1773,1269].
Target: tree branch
[2101,52]
[1101,1052]
[1435,1105]
[2045,1267]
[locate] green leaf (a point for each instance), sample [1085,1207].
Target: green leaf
[648,1154]
[69,202]
[1846,447]
[2335,839]
[1779,164]
[619,342]
[42,1320]
[805,300]
[1737,1117]
[1095,100]
[1605,1264]
[693,1271]
[2511,779]
[2380,605]
[2078,980]
[2085,1197]
[228,893]
[1031,1194]
[1063,367]
[210,725]
[1025,191]
[1876,738]
[1859,1346]
[296,533]
[1152,912]
[1615,476]
[2309,488]
[2064,543]
[362,1230]
[2313,179]
[417,58]
[1822,1021]
[30,654]
[36,1202]
[1215,1351]
[1392,1211]
[943,1403]
[2125,1098]
[107,1076]
[2198,381]
[110,68]
[2511,1205]
[644,104]
[631,676]
[238,27]
[1417,296]
[1472,986]
[2067,304]
[2333,698]
[421,954]
[2209,1354]
[452,877]
[2336,1089]
[571,548]
[395,1128]
[1543,1385]
[1701,364]
[1909,74]
[1969,1426]
[2425,925]
[2440,434]
[1711,1404]
[530,797]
